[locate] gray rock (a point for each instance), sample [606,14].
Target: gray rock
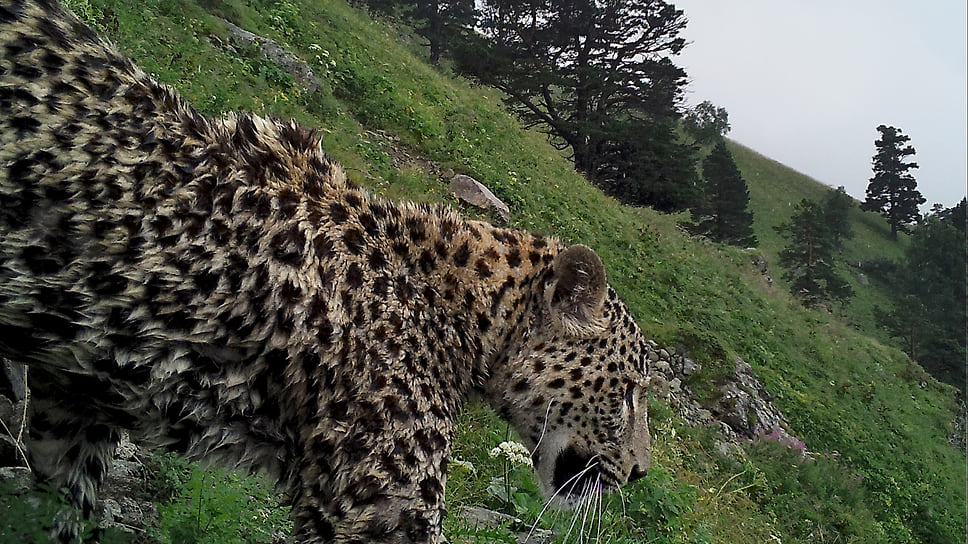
[21,478]
[761,266]
[478,517]
[659,386]
[286,61]
[10,414]
[689,367]
[746,406]
[474,192]
[126,449]
[729,450]
[107,511]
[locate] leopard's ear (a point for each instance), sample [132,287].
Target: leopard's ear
[577,291]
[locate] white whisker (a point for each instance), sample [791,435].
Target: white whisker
[544,427]
[589,499]
[573,481]
[598,499]
[582,510]
[621,499]
[575,514]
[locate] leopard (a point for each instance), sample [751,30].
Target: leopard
[219,287]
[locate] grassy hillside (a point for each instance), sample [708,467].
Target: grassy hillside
[881,469]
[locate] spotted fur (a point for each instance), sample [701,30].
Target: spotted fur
[218,287]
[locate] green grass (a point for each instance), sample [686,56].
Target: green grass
[883,471]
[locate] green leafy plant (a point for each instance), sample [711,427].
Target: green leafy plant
[514,457]
[214,506]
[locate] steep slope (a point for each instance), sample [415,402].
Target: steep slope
[882,469]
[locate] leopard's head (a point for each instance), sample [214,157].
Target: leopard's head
[575,385]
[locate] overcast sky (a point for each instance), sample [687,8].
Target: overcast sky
[807,83]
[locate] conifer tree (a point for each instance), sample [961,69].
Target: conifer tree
[598,76]
[706,122]
[809,256]
[929,313]
[956,217]
[836,206]
[892,191]
[723,214]
[440,22]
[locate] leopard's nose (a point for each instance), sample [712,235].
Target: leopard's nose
[637,473]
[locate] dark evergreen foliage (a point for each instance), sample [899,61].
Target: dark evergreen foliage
[892,191]
[706,122]
[809,256]
[836,206]
[598,76]
[645,164]
[955,216]
[722,213]
[929,314]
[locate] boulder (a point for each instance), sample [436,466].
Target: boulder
[475,193]
[689,367]
[747,407]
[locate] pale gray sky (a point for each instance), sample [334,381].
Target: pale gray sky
[806,83]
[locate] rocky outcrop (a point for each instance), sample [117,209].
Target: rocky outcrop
[482,518]
[124,502]
[742,409]
[14,404]
[760,265]
[957,436]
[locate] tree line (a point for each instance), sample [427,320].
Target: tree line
[927,313]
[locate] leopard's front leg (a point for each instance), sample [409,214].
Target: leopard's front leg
[379,480]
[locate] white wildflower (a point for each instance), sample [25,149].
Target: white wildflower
[515,452]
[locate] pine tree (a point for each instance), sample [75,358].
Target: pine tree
[929,314]
[956,217]
[723,214]
[590,73]
[892,191]
[809,256]
[650,166]
[836,206]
